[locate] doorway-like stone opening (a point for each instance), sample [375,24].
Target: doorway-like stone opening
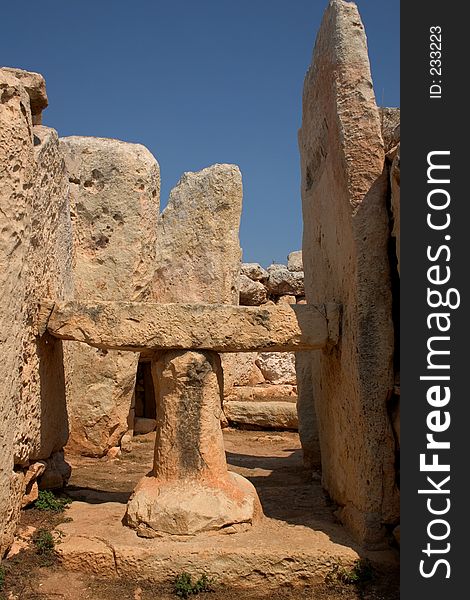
[145,402]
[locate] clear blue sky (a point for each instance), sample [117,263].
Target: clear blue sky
[197,82]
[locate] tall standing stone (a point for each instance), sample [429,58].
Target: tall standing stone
[345,240]
[42,415]
[115,190]
[35,261]
[16,177]
[198,248]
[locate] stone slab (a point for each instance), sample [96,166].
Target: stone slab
[142,326]
[270,553]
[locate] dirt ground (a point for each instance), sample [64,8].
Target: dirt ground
[271,460]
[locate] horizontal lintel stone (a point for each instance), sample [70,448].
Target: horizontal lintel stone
[143,326]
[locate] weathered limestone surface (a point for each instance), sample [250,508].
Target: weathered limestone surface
[345,261]
[240,370]
[286,299]
[101,386]
[142,326]
[273,555]
[115,202]
[35,87]
[308,423]
[57,472]
[42,413]
[266,415]
[198,250]
[252,293]
[282,281]
[35,260]
[294,261]
[254,271]
[390,125]
[190,489]
[115,188]
[16,180]
[263,393]
[277,368]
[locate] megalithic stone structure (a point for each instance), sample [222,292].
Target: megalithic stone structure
[115,194]
[345,257]
[190,488]
[35,260]
[149,327]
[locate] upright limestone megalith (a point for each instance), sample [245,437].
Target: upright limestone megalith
[115,192]
[35,262]
[198,249]
[346,232]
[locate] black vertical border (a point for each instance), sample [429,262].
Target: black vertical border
[429,124]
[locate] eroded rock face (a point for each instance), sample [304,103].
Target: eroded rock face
[390,125]
[282,281]
[16,180]
[115,188]
[254,271]
[308,423]
[240,369]
[252,293]
[294,261]
[190,489]
[277,367]
[395,200]
[42,414]
[266,415]
[35,259]
[263,393]
[345,260]
[198,250]
[35,87]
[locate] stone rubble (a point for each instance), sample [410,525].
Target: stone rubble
[252,293]
[294,262]
[254,271]
[273,370]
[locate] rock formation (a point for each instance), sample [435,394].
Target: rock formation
[35,259]
[345,256]
[115,190]
[245,401]
[198,250]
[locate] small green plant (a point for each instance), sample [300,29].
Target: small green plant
[2,577]
[360,572]
[184,585]
[44,542]
[48,501]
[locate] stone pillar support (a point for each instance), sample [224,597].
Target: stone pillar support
[190,488]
